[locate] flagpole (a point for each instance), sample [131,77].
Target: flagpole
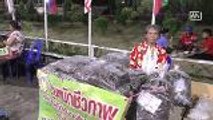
[153,14]
[90,52]
[13,16]
[11,9]
[45,25]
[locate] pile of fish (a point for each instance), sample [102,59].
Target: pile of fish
[111,72]
[154,101]
[108,72]
[181,83]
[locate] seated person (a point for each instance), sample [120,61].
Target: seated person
[148,56]
[206,46]
[14,43]
[163,40]
[187,39]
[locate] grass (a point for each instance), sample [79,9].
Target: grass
[117,36]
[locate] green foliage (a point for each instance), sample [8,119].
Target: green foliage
[134,15]
[76,13]
[102,24]
[27,26]
[27,11]
[67,4]
[32,13]
[67,49]
[144,7]
[54,19]
[125,14]
[22,10]
[112,6]
[66,7]
[172,24]
[30,7]
[184,6]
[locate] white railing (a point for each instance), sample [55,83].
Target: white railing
[110,49]
[83,45]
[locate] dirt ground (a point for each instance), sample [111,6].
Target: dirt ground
[20,100]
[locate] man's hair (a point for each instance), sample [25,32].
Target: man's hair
[155,27]
[208,31]
[15,24]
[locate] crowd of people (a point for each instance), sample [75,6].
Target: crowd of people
[152,53]
[205,48]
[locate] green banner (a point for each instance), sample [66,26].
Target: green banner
[71,100]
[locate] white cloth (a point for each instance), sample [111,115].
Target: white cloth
[150,64]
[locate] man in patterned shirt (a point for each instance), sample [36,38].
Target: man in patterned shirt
[147,55]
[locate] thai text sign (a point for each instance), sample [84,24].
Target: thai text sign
[71,100]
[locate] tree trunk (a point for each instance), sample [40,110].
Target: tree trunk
[64,9]
[111,6]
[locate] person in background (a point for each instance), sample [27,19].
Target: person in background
[147,55]
[163,40]
[14,43]
[206,46]
[187,39]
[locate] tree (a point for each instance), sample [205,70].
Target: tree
[112,6]
[66,7]
[182,7]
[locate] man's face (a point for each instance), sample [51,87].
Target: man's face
[152,35]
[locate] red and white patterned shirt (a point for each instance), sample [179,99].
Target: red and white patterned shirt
[146,58]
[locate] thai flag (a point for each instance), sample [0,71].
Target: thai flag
[157,6]
[87,6]
[52,6]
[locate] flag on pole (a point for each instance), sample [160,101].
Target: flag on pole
[46,2]
[88,9]
[157,5]
[87,6]
[52,7]
[10,6]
